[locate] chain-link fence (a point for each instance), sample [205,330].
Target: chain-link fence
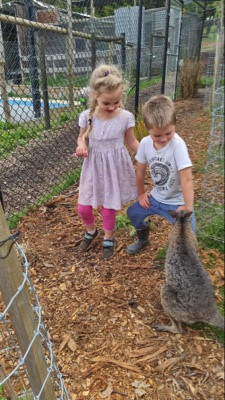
[48,51]
[48,54]
[211,205]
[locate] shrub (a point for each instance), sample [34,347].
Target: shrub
[140,130]
[190,74]
[205,82]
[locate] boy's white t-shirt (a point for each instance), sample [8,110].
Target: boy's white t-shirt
[164,165]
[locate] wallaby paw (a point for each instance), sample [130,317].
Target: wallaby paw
[158,327]
[167,328]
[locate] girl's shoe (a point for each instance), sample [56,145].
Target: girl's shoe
[108,248]
[87,241]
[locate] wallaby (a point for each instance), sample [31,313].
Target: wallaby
[187,295]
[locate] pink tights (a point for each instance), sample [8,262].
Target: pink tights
[108,216]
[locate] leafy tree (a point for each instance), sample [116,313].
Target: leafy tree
[213,8]
[108,9]
[102,10]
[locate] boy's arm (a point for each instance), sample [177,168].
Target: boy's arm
[187,189]
[143,197]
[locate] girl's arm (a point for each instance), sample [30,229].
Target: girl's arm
[81,149]
[131,140]
[143,197]
[187,189]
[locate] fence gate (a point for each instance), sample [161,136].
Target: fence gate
[173,37]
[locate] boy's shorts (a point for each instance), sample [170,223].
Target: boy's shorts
[138,214]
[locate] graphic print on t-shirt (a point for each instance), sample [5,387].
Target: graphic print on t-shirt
[161,173]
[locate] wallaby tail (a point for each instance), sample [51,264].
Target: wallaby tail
[218,321]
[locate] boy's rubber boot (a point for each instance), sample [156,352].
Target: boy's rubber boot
[142,241]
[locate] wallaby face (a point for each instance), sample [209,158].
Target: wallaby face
[187,295]
[181,216]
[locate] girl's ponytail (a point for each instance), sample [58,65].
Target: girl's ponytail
[86,134]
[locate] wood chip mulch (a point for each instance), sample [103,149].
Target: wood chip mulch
[98,313]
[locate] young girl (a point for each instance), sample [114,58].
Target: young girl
[107,176]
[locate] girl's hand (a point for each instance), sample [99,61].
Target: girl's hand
[81,151]
[144,200]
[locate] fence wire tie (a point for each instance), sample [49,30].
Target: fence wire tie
[13,238]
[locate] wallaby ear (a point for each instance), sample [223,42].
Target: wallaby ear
[172,213]
[188,214]
[180,214]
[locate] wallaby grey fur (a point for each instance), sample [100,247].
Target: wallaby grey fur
[187,295]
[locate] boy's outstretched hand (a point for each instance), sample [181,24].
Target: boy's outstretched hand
[143,200]
[180,208]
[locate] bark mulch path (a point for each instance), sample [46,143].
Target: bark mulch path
[98,313]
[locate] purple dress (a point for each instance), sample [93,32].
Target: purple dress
[107,176]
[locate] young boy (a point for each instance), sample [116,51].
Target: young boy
[170,169]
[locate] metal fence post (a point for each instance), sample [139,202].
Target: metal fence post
[93,51]
[1,199]
[202,28]
[123,52]
[44,81]
[33,63]
[138,65]
[178,52]
[3,89]
[166,45]
[70,53]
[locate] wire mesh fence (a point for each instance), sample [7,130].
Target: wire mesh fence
[23,336]
[214,61]
[173,47]
[211,207]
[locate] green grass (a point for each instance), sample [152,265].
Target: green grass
[25,96]
[160,257]
[26,396]
[209,331]
[206,329]
[61,80]
[13,135]
[210,224]
[144,84]
[200,163]
[1,393]
[205,81]
[123,222]
[161,253]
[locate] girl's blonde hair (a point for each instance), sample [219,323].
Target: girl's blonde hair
[159,112]
[104,78]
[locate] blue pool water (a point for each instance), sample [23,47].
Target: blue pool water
[22,109]
[29,103]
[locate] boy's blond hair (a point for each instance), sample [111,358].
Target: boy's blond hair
[159,112]
[104,78]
